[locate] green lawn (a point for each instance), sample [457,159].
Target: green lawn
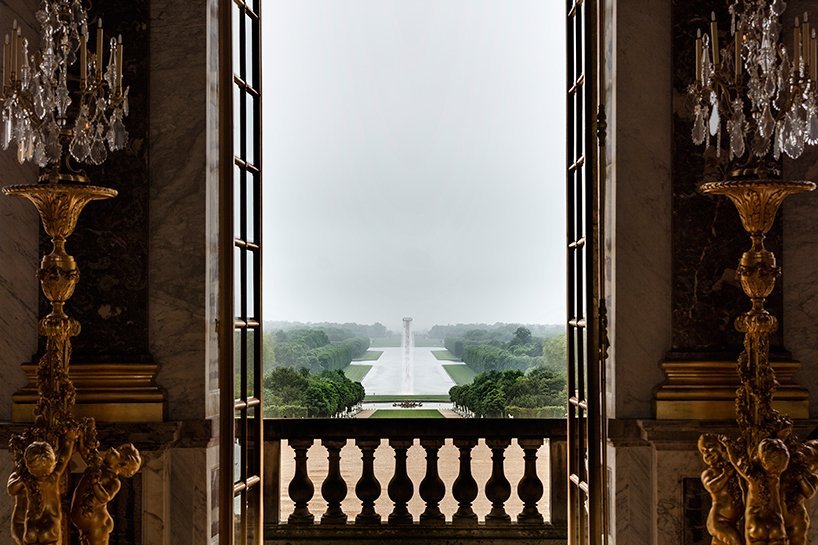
[356,373]
[370,355]
[381,342]
[445,355]
[461,374]
[406,413]
[399,397]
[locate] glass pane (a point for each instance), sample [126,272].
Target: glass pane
[238,516]
[250,128]
[237,202]
[237,450]
[249,373]
[238,359]
[238,119]
[236,38]
[253,425]
[252,514]
[251,284]
[238,310]
[250,72]
[250,208]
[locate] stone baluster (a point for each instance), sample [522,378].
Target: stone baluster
[400,487]
[334,489]
[558,482]
[498,489]
[432,489]
[368,489]
[464,488]
[301,488]
[530,488]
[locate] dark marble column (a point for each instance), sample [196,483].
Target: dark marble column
[707,237]
[111,239]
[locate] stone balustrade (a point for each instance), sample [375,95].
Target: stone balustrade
[313,521]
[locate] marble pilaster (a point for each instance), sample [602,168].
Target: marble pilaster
[640,183]
[184,204]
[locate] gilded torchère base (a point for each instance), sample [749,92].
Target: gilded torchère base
[107,392]
[706,390]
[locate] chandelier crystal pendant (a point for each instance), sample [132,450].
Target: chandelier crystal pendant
[754,99]
[56,115]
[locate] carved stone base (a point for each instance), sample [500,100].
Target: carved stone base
[108,392]
[706,390]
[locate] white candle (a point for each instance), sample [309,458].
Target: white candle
[99,48]
[714,39]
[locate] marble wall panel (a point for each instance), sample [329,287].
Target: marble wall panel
[633,482]
[800,277]
[19,231]
[212,211]
[641,185]
[191,516]
[674,467]
[178,239]
[110,242]
[156,497]
[707,236]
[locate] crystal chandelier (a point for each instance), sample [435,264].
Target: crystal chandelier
[52,115]
[754,99]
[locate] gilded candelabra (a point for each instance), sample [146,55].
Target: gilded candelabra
[766,475]
[761,98]
[38,112]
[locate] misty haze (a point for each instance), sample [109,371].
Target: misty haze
[414,168]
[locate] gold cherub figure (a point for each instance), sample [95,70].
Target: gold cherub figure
[719,481]
[17,490]
[97,487]
[44,507]
[802,483]
[763,514]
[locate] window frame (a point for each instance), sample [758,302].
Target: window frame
[240,329]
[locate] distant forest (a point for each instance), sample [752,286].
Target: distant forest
[304,362]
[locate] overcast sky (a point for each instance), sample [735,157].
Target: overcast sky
[413,161]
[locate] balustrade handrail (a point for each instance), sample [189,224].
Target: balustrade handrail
[303,524]
[395,428]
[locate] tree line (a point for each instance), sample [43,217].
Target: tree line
[493,350]
[313,349]
[540,393]
[503,331]
[298,393]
